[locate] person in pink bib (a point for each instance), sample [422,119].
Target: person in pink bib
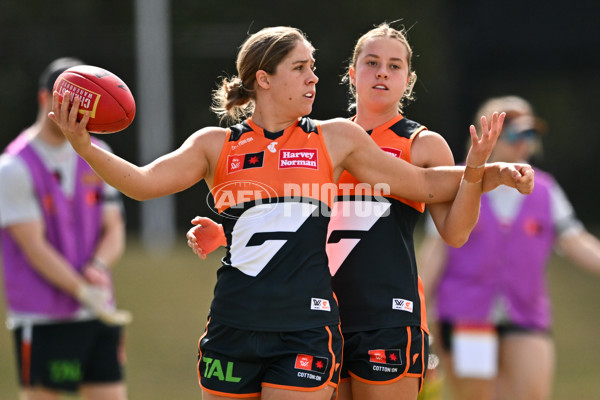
[490,302]
[62,231]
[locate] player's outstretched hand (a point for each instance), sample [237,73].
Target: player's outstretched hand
[96,299]
[205,237]
[481,148]
[65,116]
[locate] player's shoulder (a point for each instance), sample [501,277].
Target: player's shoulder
[336,122]
[11,164]
[429,140]
[208,140]
[210,131]
[207,135]
[341,127]
[13,170]
[430,149]
[426,134]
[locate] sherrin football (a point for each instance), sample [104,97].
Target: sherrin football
[105,95]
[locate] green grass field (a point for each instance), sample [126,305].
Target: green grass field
[169,296]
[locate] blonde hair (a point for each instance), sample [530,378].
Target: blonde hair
[513,106]
[384,30]
[235,97]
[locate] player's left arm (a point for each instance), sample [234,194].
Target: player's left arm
[429,149]
[456,219]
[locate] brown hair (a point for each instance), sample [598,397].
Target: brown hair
[54,69]
[384,30]
[235,97]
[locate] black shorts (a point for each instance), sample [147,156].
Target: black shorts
[234,362]
[62,356]
[386,355]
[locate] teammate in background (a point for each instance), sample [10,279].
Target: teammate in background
[62,230]
[491,305]
[380,307]
[382,312]
[273,329]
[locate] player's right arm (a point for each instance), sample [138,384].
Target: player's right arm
[193,161]
[43,257]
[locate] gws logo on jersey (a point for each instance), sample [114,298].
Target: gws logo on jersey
[403,305]
[311,363]
[395,152]
[229,196]
[349,224]
[255,243]
[239,162]
[319,304]
[385,356]
[298,158]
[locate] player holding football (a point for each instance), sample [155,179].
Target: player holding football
[273,330]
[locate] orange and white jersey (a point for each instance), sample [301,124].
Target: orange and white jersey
[274,191]
[370,246]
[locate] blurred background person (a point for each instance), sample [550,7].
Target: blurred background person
[491,307]
[62,229]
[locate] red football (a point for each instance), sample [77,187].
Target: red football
[105,95]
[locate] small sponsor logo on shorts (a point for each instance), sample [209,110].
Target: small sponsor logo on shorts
[311,363]
[383,356]
[402,304]
[319,304]
[65,371]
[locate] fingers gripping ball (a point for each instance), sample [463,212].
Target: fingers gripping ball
[102,93]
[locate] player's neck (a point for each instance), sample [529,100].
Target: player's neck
[47,131]
[369,119]
[271,122]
